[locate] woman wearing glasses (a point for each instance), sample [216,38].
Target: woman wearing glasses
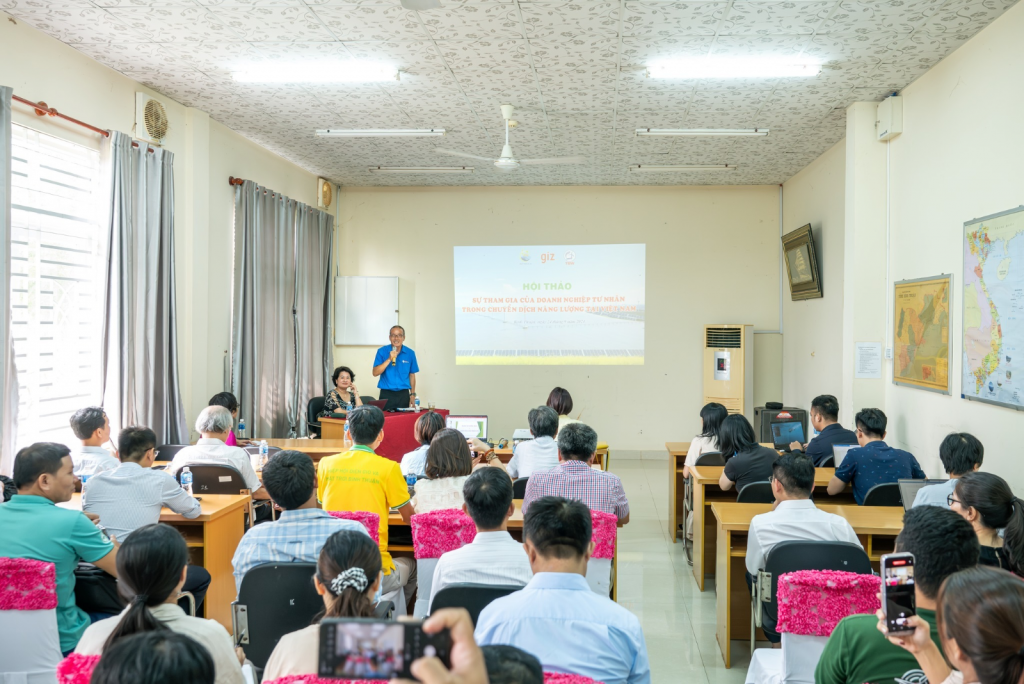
[987,502]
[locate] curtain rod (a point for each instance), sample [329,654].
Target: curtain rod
[42,109]
[238,181]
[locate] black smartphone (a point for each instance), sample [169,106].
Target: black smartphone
[354,648]
[898,591]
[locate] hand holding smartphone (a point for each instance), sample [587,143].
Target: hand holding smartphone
[898,600]
[352,648]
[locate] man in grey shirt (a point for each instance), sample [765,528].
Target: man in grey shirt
[960,453]
[131,496]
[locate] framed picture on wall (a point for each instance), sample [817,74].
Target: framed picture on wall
[802,264]
[920,333]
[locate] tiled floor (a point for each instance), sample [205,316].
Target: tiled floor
[657,584]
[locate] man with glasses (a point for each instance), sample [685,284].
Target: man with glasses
[874,462]
[396,366]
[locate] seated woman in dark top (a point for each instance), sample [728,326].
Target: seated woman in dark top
[343,394]
[987,502]
[746,461]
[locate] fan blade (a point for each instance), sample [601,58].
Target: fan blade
[555,160]
[421,5]
[462,154]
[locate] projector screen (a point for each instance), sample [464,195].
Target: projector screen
[547,305]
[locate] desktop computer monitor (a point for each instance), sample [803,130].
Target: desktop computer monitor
[785,433]
[470,426]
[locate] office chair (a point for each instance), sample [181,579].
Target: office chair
[167,452]
[519,487]
[756,492]
[828,462]
[313,408]
[473,597]
[708,458]
[222,479]
[885,494]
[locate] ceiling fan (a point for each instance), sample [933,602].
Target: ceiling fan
[506,162]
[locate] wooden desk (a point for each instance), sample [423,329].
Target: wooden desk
[212,539]
[601,456]
[316,448]
[676,491]
[876,527]
[331,428]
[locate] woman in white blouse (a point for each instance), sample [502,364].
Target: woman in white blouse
[711,417]
[348,574]
[151,566]
[449,463]
[427,425]
[980,621]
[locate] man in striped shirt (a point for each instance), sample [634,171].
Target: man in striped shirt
[301,530]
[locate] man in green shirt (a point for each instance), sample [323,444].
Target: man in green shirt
[857,653]
[33,526]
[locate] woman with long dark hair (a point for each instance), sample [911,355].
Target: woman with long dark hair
[988,503]
[348,575]
[151,565]
[746,461]
[711,417]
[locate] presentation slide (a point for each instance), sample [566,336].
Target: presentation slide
[549,305]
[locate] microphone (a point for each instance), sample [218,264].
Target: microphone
[394,349]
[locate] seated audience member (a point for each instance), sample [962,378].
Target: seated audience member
[557,616]
[980,625]
[573,478]
[301,529]
[360,480]
[449,463]
[33,526]
[151,569]
[8,487]
[511,665]
[942,543]
[825,419]
[131,496]
[711,417]
[230,402]
[746,461]
[986,501]
[343,394]
[214,424]
[874,462]
[92,426]
[960,453]
[347,577]
[427,425]
[541,452]
[160,657]
[494,557]
[795,517]
[561,402]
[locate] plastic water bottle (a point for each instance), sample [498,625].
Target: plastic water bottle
[410,480]
[349,407]
[417,404]
[264,453]
[186,480]
[241,427]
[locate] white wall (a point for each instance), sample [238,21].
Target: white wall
[712,257]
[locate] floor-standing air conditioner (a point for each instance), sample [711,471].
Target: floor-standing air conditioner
[729,367]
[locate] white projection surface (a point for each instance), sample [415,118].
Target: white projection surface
[548,305]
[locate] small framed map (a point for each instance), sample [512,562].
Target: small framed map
[920,333]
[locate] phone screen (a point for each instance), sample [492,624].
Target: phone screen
[376,649]
[898,590]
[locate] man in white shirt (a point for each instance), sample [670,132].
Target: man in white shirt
[795,517]
[91,425]
[494,557]
[541,452]
[960,453]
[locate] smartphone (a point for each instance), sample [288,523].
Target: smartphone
[898,591]
[354,648]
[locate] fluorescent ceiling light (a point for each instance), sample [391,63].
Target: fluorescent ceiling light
[654,168]
[701,131]
[421,169]
[734,67]
[379,132]
[331,71]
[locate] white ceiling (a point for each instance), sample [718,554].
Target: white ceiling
[574,70]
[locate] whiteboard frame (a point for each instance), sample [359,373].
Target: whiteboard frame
[369,330]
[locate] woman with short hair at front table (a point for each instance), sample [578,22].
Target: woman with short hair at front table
[343,394]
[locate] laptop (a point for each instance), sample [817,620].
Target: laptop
[910,488]
[786,432]
[470,426]
[839,452]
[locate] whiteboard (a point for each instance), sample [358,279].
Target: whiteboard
[365,309]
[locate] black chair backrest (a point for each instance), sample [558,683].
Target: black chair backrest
[756,492]
[279,598]
[214,479]
[885,494]
[790,556]
[367,399]
[167,452]
[519,487]
[828,462]
[313,408]
[710,458]
[472,597]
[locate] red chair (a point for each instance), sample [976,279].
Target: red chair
[434,534]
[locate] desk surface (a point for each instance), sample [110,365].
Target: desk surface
[677,448]
[705,475]
[213,507]
[882,520]
[321,447]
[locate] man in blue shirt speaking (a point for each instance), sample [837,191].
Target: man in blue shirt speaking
[396,366]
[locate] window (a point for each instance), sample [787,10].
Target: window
[58,257]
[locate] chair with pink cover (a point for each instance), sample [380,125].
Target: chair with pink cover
[30,645]
[599,569]
[371,521]
[811,604]
[76,669]
[565,678]
[434,534]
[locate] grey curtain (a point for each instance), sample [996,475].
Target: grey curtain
[280,337]
[8,371]
[139,352]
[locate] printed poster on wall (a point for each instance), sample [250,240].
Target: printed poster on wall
[920,333]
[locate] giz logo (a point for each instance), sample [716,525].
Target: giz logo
[546,257]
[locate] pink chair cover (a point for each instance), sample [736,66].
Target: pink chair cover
[605,528]
[27,584]
[438,532]
[563,678]
[812,602]
[310,679]
[76,669]
[371,521]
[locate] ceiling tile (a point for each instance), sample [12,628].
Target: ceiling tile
[276,23]
[560,20]
[656,20]
[965,17]
[593,78]
[757,45]
[509,54]
[371,22]
[132,56]
[474,21]
[770,18]
[854,17]
[642,51]
[172,24]
[585,51]
[415,55]
[78,24]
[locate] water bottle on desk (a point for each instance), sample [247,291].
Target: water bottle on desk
[417,404]
[410,481]
[264,453]
[186,480]
[241,428]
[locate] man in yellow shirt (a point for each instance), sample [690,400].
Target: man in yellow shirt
[360,480]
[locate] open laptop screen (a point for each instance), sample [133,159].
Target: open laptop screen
[910,488]
[839,452]
[786,432]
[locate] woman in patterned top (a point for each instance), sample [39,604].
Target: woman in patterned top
[343,394]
